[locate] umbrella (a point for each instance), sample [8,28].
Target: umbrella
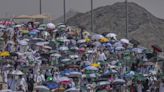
[111,35]
[62,39]
[138,50]
[4,54]
[63,79]
[148,63]
[56,55]
[93,75]
[47,47]
[72,90]
[74,48]
[119,81]
[119,48]
[109,72]
[81,41]
[95,65]
[17,72]
[103,83]
[32,33]
[6,90]
[90,51]
[74,56]
[74,74]
[103,40]
[63,48]
[65,60]
[2,26]
[52,85]
[97,37]
[61,25]
[25,31]
[51,26]
[91,68]
[125,41]
[41,87]
[23,42]
[45,33]
[18,26]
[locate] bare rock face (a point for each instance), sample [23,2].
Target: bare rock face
[142,25]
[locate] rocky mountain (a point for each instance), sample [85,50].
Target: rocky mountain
[69,14]
[142,25]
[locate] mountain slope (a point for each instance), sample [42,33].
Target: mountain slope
[69,14]
[142,25]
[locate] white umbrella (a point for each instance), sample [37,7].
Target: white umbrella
[11,42]
[119,48]
[63,48]
[97,37]
[61,26]
[125,41]
[63,39]
[56,55]
[103,83]
[18,25]
[61,79]
[17,72]
[119,81]
[42,88]
[2,26]
[91,68]
[74,48]
[65,60]
[51,26]
[110,35]
[47,47]
[90,51]
[72,90]
[42,43]
[89,76]
[74,56]
[138,50]
[75,73]
[81,41]
[6,90]
[45,33]
[23,42]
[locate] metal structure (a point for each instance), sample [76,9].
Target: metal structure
[64,10]
[126,6]
[91,15]
[40,7]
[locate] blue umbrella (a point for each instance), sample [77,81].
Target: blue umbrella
[52,85]
[32,33]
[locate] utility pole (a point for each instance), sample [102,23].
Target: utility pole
[64,10]
[40,7]
[126,7]
[91,15]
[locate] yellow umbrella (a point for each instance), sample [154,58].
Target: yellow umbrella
[103,40]
[4,54]
[95,65]
[25,31]
[87,40]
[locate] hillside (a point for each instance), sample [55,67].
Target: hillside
[143,26]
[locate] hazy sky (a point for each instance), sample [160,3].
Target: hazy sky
[55,7]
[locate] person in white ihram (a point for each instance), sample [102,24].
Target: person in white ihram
[102,56]
[40,78]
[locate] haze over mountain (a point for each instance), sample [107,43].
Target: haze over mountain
[143,26]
